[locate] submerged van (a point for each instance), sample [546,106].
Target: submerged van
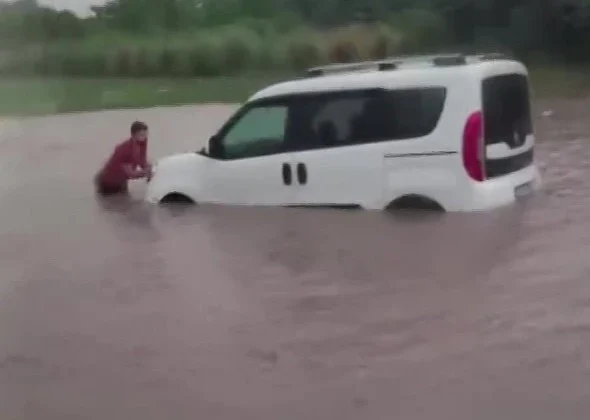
[452,132]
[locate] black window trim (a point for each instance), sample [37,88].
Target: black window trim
[347,93]
[290,99]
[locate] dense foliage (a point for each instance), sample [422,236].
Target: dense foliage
[206,37]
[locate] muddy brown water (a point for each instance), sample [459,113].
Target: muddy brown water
[127,311]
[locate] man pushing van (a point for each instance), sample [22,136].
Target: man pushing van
[128,161]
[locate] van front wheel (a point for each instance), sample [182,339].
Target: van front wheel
[177,198]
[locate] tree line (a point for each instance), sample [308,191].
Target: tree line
[557,27]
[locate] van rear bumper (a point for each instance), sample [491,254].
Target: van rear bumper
[501,191]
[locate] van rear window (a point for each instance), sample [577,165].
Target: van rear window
[506,109]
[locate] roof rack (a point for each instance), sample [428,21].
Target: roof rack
[438,60]
[494,56]
[381,65]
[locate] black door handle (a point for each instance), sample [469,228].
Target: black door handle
[301,173]
[287,174]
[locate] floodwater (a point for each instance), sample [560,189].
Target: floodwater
[123,311]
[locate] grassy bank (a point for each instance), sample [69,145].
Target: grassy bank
[37,96]
[225,51]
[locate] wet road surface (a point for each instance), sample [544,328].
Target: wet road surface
[124,311]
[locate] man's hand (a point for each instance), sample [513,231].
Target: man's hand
[137,173]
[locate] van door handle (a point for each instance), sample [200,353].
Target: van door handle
[287,174]
[302,173]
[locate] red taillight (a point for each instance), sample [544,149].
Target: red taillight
[473,152]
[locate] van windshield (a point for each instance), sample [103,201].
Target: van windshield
[506,109]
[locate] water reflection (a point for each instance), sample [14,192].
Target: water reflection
[122,310]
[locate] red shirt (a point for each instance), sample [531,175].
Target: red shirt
[128,152]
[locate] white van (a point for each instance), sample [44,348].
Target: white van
[451,132]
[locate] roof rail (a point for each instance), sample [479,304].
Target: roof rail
[392,63]
[495,56]
[380,65]
[451,60]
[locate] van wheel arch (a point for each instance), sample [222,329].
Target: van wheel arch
[177,198]
[415,202]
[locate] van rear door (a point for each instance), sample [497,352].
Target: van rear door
[508,130]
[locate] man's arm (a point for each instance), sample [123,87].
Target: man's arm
[135,173]
[143,161]
[144,164]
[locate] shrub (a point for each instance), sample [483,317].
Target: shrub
[303,49]
[77,61]
[205,58]
[422,29]
[240,48]
[385,43]
[123,61]
[147,61]
[167,61]
[362,42]
[20,62]
[344,45]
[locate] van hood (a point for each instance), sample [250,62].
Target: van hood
[180,159]
[180,173]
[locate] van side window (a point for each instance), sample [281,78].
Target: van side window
[416,112]
[343,119]
[259,131]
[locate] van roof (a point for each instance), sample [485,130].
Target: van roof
[397,71]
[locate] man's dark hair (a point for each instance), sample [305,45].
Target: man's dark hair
[138,126]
